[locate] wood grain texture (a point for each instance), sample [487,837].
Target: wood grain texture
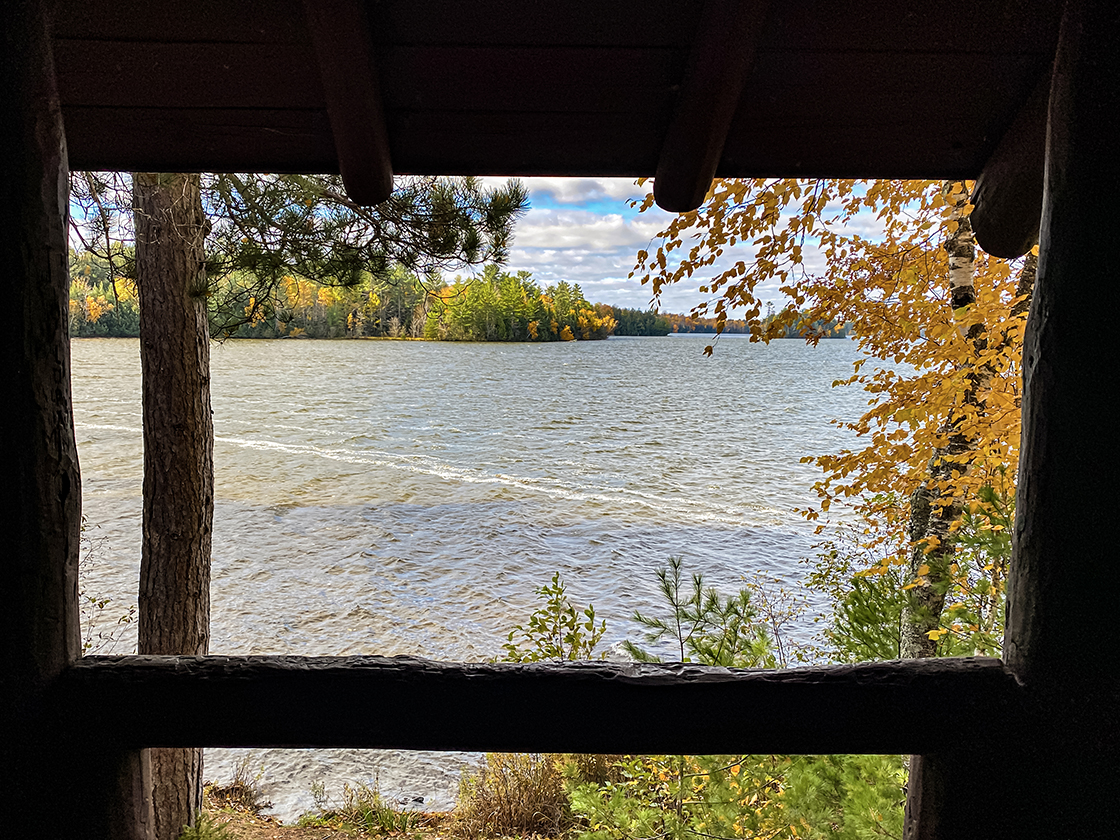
[838,90]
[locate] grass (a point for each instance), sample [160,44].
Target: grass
[206,829]
[510,795]
[363,810]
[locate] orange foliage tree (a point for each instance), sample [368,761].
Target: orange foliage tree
[942,424]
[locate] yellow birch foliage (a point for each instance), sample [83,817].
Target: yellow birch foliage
[891,285]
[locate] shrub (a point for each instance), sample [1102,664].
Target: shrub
[243,793]
[557,630]
[512,794]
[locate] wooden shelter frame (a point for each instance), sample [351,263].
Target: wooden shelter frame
[1021,747]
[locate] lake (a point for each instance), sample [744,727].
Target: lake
[392,497]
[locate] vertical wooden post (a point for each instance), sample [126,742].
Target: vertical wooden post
[1063,627]
[41,515]
[1059,777]
[61,788]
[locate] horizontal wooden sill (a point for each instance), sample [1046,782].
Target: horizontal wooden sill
[916,706]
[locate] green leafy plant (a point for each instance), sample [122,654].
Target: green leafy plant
[864,623]
[973,619]
[556,630]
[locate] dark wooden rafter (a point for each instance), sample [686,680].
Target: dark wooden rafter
[408,703]
[340,34]
[577,88]
[719,65]
[1007,197]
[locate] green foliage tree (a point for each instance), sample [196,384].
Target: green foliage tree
[640,322]
[499,306]
[866,621]
[703,626]
[725,796]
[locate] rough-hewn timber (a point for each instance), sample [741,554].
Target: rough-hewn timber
[340,34]
[62,788]
[41,513]
[1008,193]
[719,64]
[1063,639]
[577,707]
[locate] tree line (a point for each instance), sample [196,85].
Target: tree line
[494,306]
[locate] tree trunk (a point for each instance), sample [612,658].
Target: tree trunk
[174,609]
[931,515]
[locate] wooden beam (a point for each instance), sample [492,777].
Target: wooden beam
[1062,636]
[1007,198]
[1062,639]
[719,65]
[341,37]
[41,519]
[408,703]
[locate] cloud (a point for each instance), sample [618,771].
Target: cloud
[584,230]
[553,191]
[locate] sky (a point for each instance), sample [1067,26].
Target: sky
[584,230]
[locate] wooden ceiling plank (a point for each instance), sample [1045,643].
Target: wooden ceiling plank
[483,78]
[341,37]
[516,23]
[196,22]
[199,140]
[719,64]
[1007,198]
[210,75]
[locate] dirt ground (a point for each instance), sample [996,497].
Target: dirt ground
[243,824]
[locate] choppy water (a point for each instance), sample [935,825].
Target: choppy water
[407,497]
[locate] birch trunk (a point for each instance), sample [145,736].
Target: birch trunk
[932,517]
[932,514]
[174,608]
